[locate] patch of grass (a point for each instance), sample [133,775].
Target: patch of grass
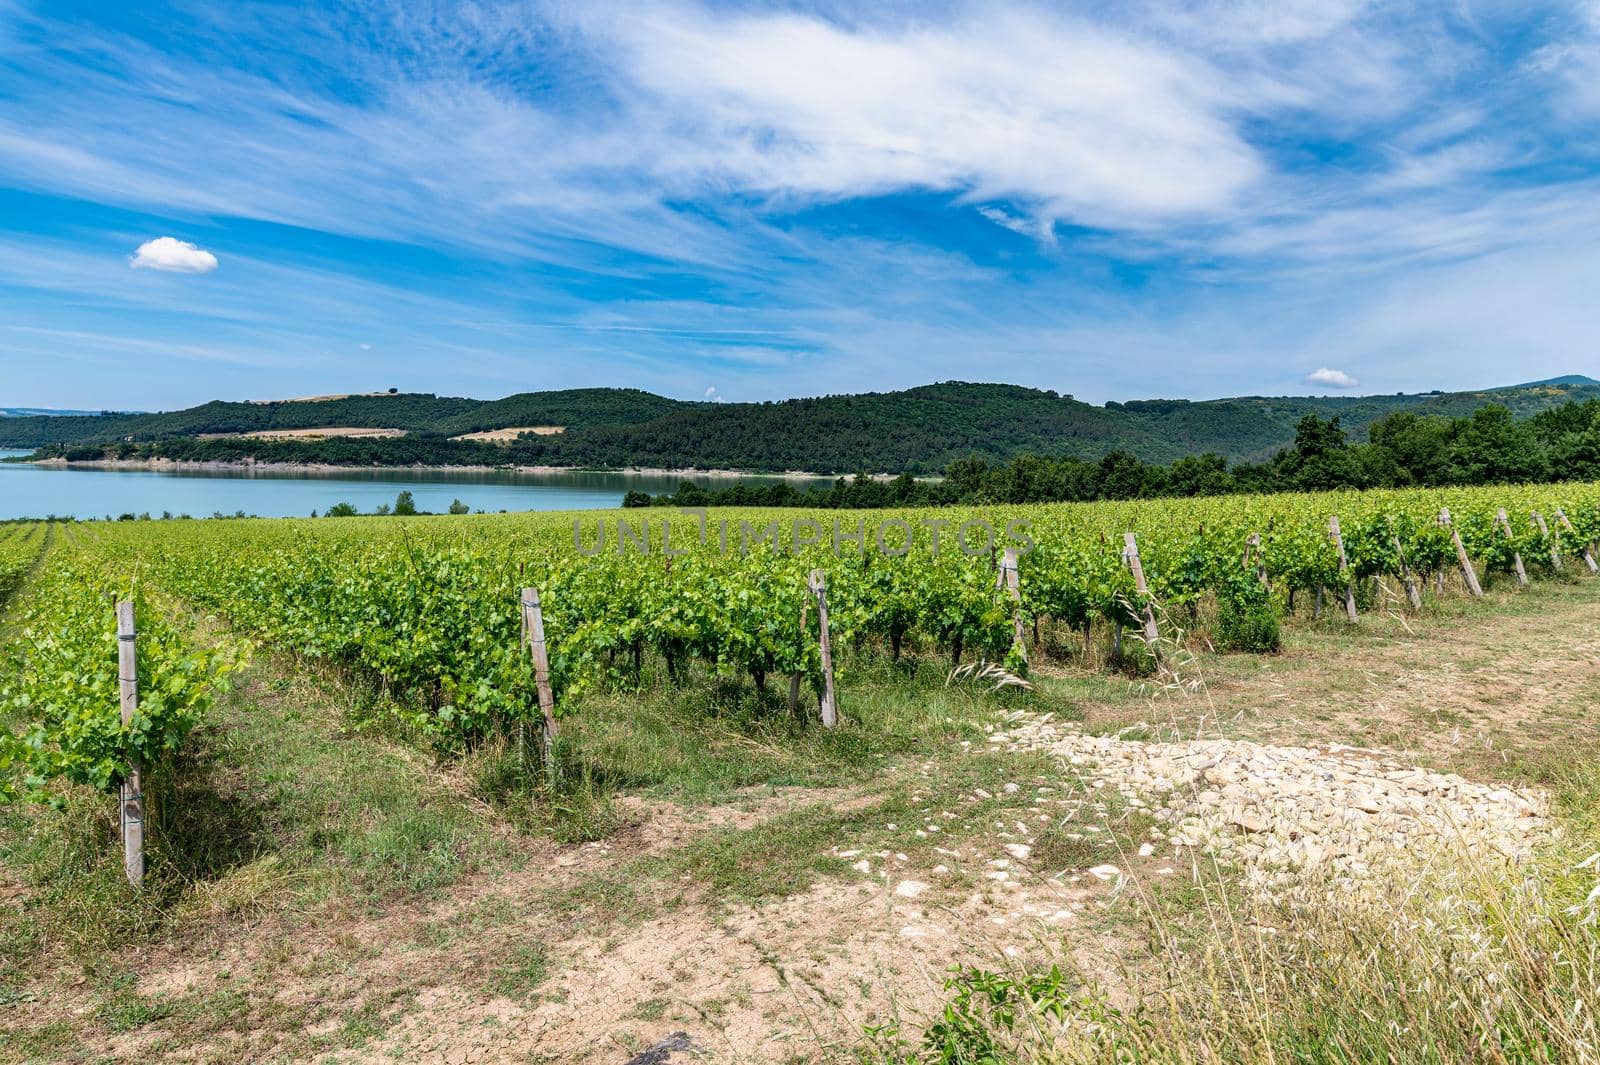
[1071,845]
[127,1010]
[42,1042]
[704,741]
[649,1010]
[574,808]
[521,973]
[361,1024]
[271,803]
[80,902]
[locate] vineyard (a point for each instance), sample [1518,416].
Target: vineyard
[624,721]
[428,609]
[20,546]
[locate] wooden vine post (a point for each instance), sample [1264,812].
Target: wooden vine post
[533,635]
[1588,553]
[830,706]
[1011,581]
[1544,531]
[1130,555]
[1252,549]
[1405,574]
[1467,572]
[131,801]
[1344,567]
[1504,523]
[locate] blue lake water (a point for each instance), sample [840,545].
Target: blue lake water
[36,491]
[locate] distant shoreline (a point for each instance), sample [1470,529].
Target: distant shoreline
[191,466]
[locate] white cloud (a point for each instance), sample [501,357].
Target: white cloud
[1073,119]
[1331,378]
[366,347]
[173,255]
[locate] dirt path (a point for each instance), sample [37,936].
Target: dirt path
[1506,690]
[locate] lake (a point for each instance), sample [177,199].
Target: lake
[28,491]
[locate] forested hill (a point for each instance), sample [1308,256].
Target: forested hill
[920,429]
[412,412]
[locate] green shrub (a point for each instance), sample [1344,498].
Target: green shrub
[1246,620]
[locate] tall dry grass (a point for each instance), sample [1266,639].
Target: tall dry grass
[1446,957]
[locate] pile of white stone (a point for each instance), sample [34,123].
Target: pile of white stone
[1281,809]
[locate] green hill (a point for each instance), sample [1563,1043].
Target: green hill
[919,429]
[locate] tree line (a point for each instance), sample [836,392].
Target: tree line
[1403,450]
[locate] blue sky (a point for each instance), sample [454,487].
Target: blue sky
[751,201]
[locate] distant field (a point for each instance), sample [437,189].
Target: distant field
[346,431]
[500,436]
[322,399]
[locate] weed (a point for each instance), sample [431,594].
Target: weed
[521,973]
[649,1010]
[126,1010]
[1072,846]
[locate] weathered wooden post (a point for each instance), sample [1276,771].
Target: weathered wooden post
[1130,555]
[1504,523]
[533,633]
[1588,553]
[1544,531]
[1405,574]
[131,801]
[1344,567]
[830,706]
[1252,549]
[1467,572]
[1011,581]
